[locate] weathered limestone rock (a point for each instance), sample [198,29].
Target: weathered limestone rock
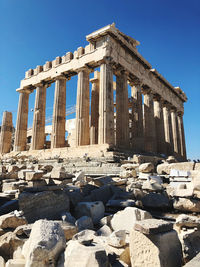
[9,242]
[12,169]
[16,263]
[184,220]
[58,173]
[151,185]
[11,220]
[165,168]
[84,222]
[47,204]
[68,218]
[154,250]
[187,205]
[120,203]
[23,230]
[146,167]
[153,226]
[33,175]
[125,256]
[2,262]
[117,239]
[7,185]
[95,210]
[69,230]
[194,262]
[125,220]
[156,200]
[85,237]
[197,166]
[190,240]
[77,255]
[46,242]
[196,180]
[2,169]
[104,231]
[22,173]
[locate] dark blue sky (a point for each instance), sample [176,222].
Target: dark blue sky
[34,31]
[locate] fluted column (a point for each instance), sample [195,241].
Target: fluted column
[159,125]
[176,140]
[149,121]
[122,110]
[106,108]
[22,122]
[82,109]
[38,130]
[6,132]
[94,108]
[182,135]
[59,111]
[168,129]
[137,133]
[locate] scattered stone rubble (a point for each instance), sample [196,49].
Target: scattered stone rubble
[143,215]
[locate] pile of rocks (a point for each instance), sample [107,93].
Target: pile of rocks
[147,214]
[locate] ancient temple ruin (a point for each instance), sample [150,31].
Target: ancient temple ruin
[150,121]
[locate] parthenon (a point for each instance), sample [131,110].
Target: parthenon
[149,121]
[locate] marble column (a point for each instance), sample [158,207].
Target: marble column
[168,129]
[175,131]
[94,108]
[149,121]
[106,107]
[182,135]
[122,111]
[159,125]
[137,139]
[22,122]
[6,133]
[82,109]
[59,114]
[38,130]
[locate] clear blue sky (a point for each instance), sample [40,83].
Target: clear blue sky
[34,31]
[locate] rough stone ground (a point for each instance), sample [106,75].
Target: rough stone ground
[89,212]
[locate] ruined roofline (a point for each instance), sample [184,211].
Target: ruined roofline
[131,44]
[125,41]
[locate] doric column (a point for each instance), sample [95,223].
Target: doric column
[59,111]
[94,108]
[22,122]
[176,140]
[159,125]
[106,107]
[38,130]
[122,110]
[182,135]
[6,132]
[137,133]
[149,121]
[168,129]
[82,109]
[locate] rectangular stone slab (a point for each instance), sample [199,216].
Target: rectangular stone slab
[153,226]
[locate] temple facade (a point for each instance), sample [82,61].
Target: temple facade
[148,121]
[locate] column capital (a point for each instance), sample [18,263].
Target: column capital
[135,82]
[166,104]
[173,109]
[62,77]
[146,90]
[180,113]
[121,70]
[157,97]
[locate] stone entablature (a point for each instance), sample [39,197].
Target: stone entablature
[151,122]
